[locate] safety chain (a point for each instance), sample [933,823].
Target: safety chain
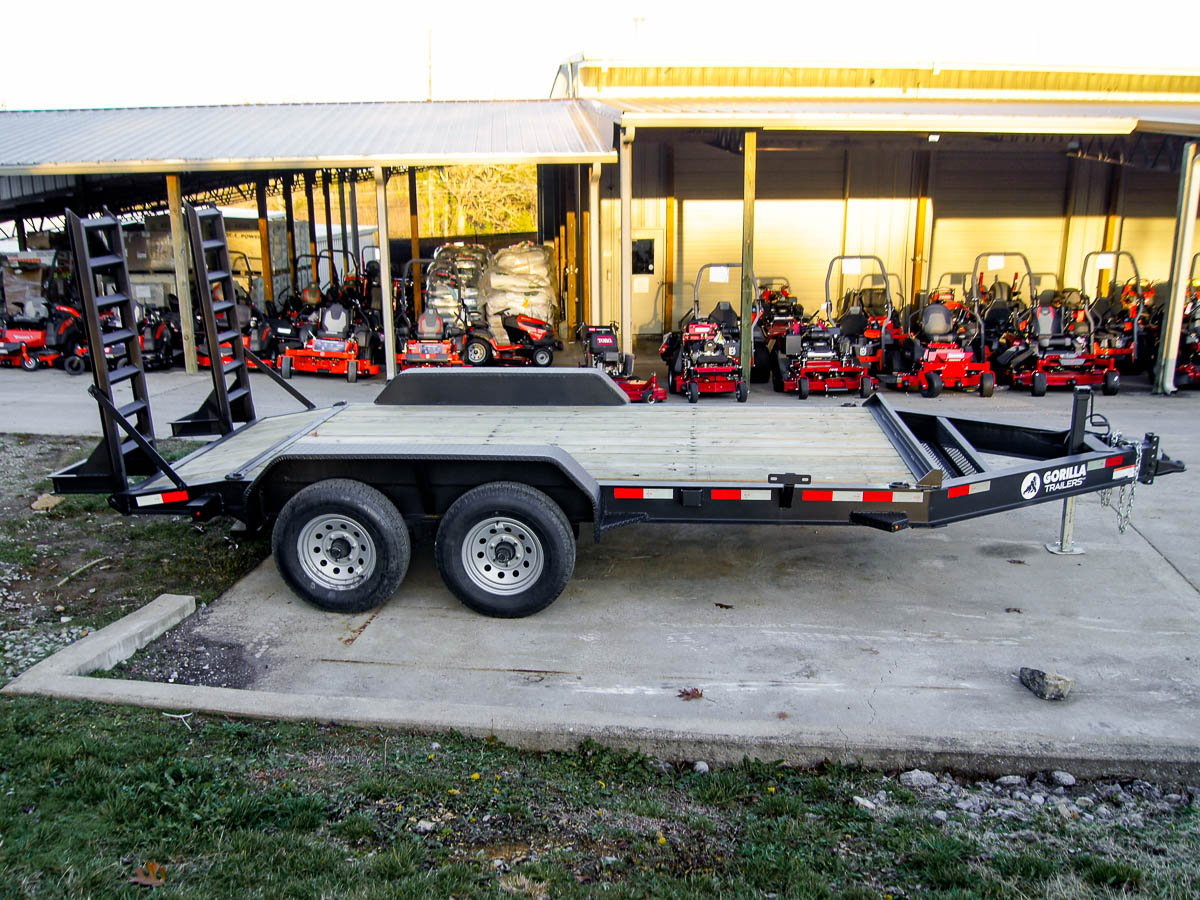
[1124,505]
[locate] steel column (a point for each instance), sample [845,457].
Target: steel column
[342,223]
[1070,194]
[1181,254]
[183,284]
[22,238]
[749,190]
[289,224]
[594,254]
[920,257]
[1112,226]
[385,276]
[312,225]
[625,162]
[354,242]
[333,273]
[670,239]
[414,233]
[264,242]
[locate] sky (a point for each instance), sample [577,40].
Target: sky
[139,53]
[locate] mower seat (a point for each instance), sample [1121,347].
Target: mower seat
[335,321]
[430,326]
[243,314]
[724,317]
[854,323]
[937,323]
[1045,328]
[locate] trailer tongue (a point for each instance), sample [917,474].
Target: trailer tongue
[510,463]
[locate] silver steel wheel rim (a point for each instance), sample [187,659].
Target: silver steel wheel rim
[336,552]
[502,556]
[476,353]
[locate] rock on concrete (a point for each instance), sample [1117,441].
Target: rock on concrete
[1047,685]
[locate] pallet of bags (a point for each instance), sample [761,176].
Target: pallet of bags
[519,281]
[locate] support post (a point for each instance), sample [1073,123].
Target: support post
[1070,194]
[342,223]
[354,242]
[670,240]
[924,209]
[264,243]
[1081,404]
[312,225]
[385,276]
[594,255]
[183,283]
[1112,227]
[414,232]
[333,273]
[625,162]
[749,190]
[22,238]
[1181,252]
[289,224]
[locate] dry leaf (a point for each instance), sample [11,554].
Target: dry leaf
[1017,562]
[782,715]
[691,694]
[1012,609]
[45,502]
[151,875]
[722,606]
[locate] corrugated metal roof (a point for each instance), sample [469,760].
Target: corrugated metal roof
[950,116]
[304,136]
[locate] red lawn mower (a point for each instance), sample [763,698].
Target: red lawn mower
[526,341]
[1187,367]
[601,350]
[36,329]
[1052,343]
[703,357]
[822,354]
[436,339]
[1123,318]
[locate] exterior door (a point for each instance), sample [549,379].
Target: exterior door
[648,245]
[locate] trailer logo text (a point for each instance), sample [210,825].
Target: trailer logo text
[1064,478]
[1031,485]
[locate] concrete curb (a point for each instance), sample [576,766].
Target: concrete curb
[64,676]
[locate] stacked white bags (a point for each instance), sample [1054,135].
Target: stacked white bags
[519,280]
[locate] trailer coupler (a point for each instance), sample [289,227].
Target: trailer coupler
[1155,462]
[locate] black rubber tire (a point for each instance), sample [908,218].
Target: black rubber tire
[1112,384]
[285,367]
[866,387]
[530,508]
[482,353]
[364,507]
[543,357]
[648,395]
[987,385]
[352,371]
[803,388]
[760,364]
[777,364]
[1037,384]
[74,365]
[29,363]
[743,392]
[693,392]
[933,385]
[671,384]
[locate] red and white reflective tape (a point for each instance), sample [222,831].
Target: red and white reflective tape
[643,494]
[735,494]
[1110,463]
[1124,472]
[963,490]
[862,496]
[159,499]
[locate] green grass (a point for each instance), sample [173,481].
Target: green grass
[89,793]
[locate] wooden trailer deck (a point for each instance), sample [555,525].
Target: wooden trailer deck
[734,444]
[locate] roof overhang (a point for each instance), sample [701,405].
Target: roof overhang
[305,136]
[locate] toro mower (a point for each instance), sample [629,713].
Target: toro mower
[822,353]
[344,339]
[703,357]
[1123,329]
[1052,343]
[1187,367]
[602,351]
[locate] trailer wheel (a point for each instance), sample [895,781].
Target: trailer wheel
[693,392]
[866,387]
[285,366]
[1037,384]
[933,385]
[478,353]
[543,356]
[987,385]
[505,550]
[743,392]
[1112,384]
[342,545]
[803,388]
[352,371]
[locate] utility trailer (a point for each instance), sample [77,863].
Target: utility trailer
[508,464]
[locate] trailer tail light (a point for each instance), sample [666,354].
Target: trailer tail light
[1113,461]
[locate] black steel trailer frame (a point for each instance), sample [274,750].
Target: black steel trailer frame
[955,468]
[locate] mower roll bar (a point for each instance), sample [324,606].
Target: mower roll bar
[887,288]
[696,287]
[976,272]
[1117,255]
